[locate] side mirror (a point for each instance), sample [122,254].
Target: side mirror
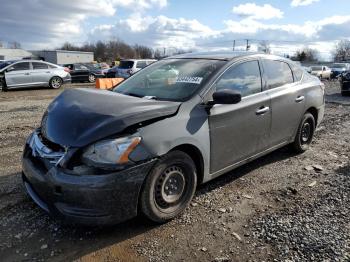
[226,96]
[10,69]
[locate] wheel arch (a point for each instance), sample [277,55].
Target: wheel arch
[196,156]
[313,111]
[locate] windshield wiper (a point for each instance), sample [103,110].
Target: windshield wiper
[132,94]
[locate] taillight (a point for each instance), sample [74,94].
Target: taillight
[66,69]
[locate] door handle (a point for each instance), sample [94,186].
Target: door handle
[27,74]
[48,72]
[262,110]
[299,99]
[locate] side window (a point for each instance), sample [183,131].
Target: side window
[38,65]
[278,73]
[141,64]
[244,78]
[21,66]
[79,67]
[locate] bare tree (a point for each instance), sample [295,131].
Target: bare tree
[306,55]
[342,51]
[264,46]
[14,45]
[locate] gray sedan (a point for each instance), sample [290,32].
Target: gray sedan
[32,73]
[104,157]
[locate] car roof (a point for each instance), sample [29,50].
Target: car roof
[217,55]
[226,56]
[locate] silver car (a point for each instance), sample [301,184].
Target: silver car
[104,157]
[128,67]
[32,73]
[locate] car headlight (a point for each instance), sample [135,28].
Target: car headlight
[111,152]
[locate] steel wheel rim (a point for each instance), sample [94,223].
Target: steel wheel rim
[170,187]
[56,83]
[305,132]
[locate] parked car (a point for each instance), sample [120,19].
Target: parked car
[83,72]
[31,73]
[339,68]
[103,157]
[344,79]
[322,72]
[129,67]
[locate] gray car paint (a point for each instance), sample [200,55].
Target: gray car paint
[224,147]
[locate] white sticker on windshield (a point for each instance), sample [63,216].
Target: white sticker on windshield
[189,79]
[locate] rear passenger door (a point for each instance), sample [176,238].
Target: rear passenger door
[41,73]
[287,100]
[239,131]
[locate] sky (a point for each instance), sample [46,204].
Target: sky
[196,25]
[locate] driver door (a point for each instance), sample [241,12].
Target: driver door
[18,74]
[239,131]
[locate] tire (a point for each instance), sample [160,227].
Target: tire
[55,82]
[3,86]
[175,171]
[305,134]
[92,78]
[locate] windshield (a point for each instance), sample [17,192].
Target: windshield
[170,79]
[339,66]
[316,68]
[4,64]
[126,64]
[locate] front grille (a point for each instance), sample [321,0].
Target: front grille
[53,146]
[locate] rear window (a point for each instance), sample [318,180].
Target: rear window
[126,64]
[278,73]
[37,65]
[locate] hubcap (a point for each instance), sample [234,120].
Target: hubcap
[91,78]
[56,83]
[170,186]
[305,132]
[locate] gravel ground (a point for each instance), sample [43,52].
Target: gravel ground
[282,207]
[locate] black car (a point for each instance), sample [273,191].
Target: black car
[84,72]
[345,83]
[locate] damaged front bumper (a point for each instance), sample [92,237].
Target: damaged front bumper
[101,198]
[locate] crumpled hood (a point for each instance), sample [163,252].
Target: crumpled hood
[78,117]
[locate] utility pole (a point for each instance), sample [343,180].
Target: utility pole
[234,45]
[248,46]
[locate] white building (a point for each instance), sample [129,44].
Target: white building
[64,57]
[13,54]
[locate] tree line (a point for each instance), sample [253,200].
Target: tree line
[111,50]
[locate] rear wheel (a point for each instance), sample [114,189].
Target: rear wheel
[56,82]
[305,134]
[169,187]
[92,78]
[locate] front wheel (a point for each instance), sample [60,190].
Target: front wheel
[56,82]
[169,187]
[305,134]
[3,86]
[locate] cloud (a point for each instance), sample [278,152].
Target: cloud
[253,11]
[302,2]
[159,31]
[48,23]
